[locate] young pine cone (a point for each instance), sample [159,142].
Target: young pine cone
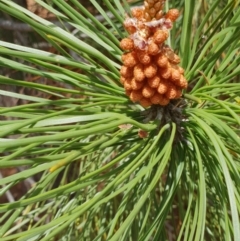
[150,73]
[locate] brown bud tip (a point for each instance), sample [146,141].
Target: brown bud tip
[142,134]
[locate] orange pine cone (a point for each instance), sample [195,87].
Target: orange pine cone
[172,57]
[150,73]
